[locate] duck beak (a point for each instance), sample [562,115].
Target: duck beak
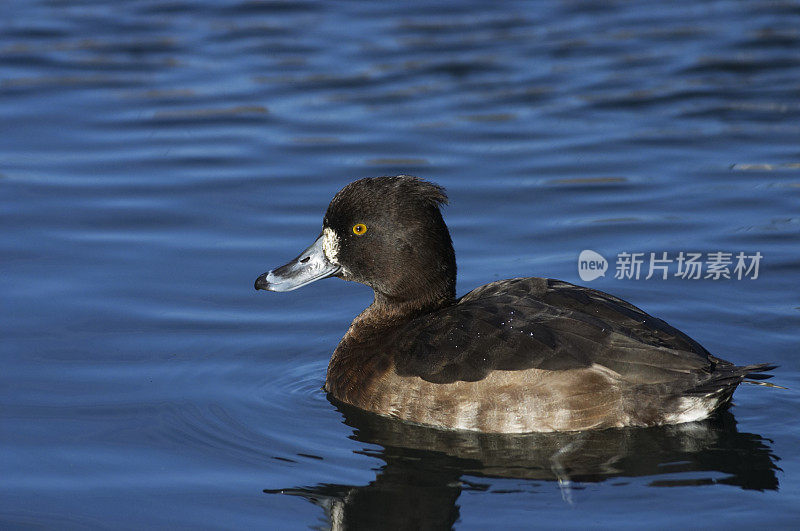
[310,266]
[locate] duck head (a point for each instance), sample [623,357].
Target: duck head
[385,232]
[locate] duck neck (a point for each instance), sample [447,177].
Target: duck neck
[386,312]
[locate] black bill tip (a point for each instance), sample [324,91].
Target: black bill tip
[261,282]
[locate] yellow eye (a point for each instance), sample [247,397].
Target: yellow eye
[359,229]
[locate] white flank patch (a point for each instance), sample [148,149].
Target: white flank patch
[690,409]
[330,245]
[466,415]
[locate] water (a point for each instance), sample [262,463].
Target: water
[155,157]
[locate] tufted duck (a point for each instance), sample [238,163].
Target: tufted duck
[518,355]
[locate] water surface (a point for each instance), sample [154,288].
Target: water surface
[155,157]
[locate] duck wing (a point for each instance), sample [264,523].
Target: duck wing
[537,323]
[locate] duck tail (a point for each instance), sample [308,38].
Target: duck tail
[756,373]
[726,377]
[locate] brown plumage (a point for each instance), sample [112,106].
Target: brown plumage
[519,355]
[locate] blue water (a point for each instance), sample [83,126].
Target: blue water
[155,157]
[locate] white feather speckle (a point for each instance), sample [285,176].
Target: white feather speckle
[330,245]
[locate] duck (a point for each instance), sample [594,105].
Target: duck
[513,356]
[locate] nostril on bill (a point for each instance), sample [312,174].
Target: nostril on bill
[306,259]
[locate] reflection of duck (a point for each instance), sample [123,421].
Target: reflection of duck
[521,355]
[424,473]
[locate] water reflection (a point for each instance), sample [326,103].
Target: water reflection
[426,470]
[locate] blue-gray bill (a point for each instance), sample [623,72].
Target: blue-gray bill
[311,265]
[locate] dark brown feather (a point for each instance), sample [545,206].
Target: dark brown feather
[534,323]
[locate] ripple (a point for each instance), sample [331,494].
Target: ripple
[211,113]
[588,180]
[766,167]
[397,161]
